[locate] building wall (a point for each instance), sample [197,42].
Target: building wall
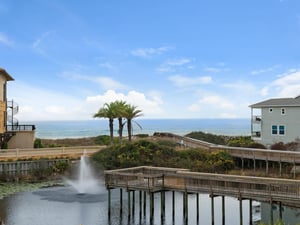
[2,88]
[2,104]
[290,120]
[22,139]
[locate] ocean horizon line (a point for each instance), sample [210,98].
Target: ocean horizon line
[92,128]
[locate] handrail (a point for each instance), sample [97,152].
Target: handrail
[257,188]
[48,152]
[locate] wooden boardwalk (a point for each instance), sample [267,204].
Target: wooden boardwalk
[156,179]
[244,153]
[8,154]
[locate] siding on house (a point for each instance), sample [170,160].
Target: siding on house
[280,120]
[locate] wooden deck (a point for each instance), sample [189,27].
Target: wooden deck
[8,154]
[245,153]
[155,179]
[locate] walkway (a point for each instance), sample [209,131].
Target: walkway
[158,179]
[8,154]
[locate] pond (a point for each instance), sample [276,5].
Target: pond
[64,205]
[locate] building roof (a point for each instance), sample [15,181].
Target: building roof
[278,102]
[5,74]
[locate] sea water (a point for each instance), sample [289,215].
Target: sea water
[96,127]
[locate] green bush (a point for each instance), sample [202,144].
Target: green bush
[102,140]
[38,143]
[212,138]
[144,152]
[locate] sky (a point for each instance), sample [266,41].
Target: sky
[171,59]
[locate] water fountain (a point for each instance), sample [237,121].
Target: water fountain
[85,183]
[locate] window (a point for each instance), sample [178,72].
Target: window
[274,129]
[282,111]
[270,110]
[281,130]
[278,130]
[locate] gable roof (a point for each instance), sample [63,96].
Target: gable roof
[5,74]
[278,102]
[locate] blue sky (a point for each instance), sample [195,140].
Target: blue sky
[172,59]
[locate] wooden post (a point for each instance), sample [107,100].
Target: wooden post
[162,205]
[133,203]
[250,212]
[271,213]
[173,206]
[186,206]
[151,207]
[108,202]
[212,210]
[242,163]
[197,207]
[254,163]
[267,166]
[145,201]
[241,210]
[223,210]
[294,168]
[183,205]
[280,212]
[140,205]
[121,201]
[128,202]
[280,168]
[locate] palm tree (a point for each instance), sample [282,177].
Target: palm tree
[108,111]
[120,107]
[131,112]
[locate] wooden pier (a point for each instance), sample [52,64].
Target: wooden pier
[253,156]
[158,179]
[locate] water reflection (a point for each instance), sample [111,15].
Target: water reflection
[63,205]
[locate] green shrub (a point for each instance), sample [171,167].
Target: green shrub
[144,152]
[215,139]
[38,143]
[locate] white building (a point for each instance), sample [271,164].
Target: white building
[276,120]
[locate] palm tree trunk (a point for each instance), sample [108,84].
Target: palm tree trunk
[111,130]
[129,128]
[120,129]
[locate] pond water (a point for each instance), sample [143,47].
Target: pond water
[63,205]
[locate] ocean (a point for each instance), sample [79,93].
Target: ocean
[96,127]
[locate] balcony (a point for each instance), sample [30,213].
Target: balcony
[256,119]
[19,127]
[256,134]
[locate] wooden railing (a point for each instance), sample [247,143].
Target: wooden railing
[47,152]
[285,191]
[246,153]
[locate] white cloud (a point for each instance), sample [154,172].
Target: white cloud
[172,64]
[241,86]
[150,105]
[287,85]
[40,104]
[146,52]
[104,81]
[184,81]
[5,40]
[265,70]
[38,45]
[108,83]
[213,69]
[213,106]
[217,101]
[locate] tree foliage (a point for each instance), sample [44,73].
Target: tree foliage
[148,153]
[124,112]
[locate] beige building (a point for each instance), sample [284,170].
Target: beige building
[12,134]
